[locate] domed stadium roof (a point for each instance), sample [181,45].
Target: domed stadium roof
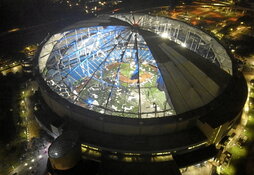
[131,70]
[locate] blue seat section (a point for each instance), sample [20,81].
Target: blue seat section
[144,52]
[82,32]
[71,38]
[85,66]
[86,52]
[160,83]
[146,55]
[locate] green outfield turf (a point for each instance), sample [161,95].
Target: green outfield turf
[122,99]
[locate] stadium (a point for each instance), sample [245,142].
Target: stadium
[139,88]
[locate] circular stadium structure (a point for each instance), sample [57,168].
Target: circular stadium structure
[136,83]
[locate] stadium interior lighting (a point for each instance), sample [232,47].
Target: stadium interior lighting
[183,44]
[164,35]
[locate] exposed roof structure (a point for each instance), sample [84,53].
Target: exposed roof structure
[131,70]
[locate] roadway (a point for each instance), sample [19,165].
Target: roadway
[34,160]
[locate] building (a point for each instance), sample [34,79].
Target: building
[141,88]
[64,152]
